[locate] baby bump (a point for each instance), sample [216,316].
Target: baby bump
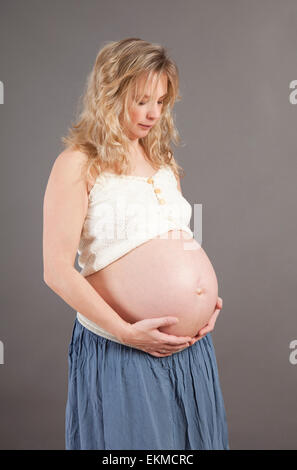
[169,276]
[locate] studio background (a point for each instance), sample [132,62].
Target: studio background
[236,59]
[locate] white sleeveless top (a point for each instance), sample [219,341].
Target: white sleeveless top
[125,211]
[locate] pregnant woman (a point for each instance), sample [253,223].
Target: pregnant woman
[142,366]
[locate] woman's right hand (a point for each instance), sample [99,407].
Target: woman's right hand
[144,335]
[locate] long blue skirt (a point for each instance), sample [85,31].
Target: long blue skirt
[121,397]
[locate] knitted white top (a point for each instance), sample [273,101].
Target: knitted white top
[125,211]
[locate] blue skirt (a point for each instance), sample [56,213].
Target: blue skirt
[122,398]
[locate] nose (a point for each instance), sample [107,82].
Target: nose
[153,112]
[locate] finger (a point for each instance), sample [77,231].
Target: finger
[205,330]
[161,321]
[202,336]
[202,333]
[213,318]
[195,341]
[219,304]
[173,346]
[174,340]
[157,354]
[171,349]
[197,338]
[169,352]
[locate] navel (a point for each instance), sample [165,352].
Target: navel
[199,290]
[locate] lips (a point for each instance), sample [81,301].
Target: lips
[144,125]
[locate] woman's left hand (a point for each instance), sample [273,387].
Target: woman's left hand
[211,323]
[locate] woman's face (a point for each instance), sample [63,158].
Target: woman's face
[149,109]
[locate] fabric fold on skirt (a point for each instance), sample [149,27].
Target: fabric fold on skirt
[122,398]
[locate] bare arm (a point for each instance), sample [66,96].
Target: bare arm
[64,210]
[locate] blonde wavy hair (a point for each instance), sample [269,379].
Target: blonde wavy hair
[112,82]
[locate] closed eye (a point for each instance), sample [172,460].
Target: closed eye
[159,102]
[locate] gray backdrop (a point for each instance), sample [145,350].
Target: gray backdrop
[237,59]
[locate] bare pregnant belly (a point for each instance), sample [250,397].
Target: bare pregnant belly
[160,278]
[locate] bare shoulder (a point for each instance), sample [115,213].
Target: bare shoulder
[71,162]
[69,166]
